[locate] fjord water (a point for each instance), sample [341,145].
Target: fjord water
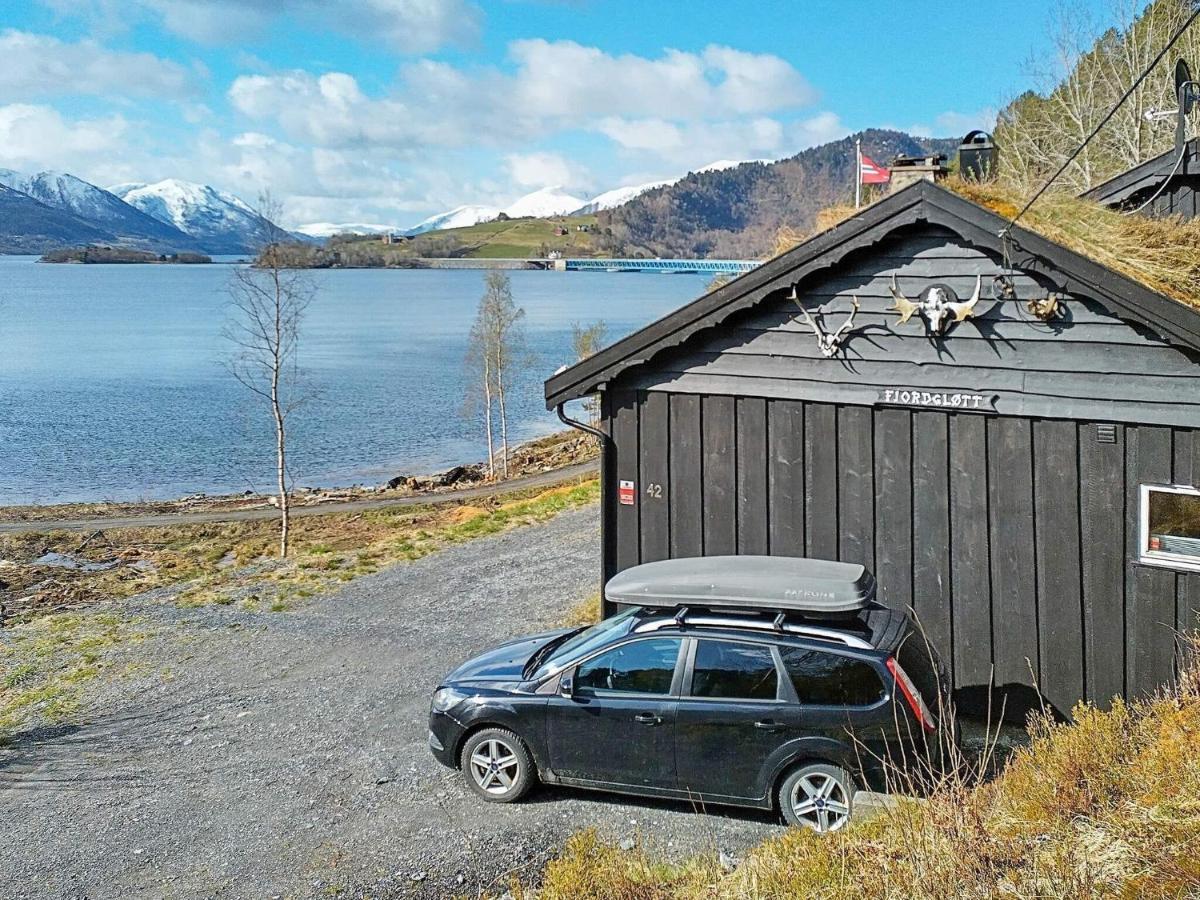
[113,384]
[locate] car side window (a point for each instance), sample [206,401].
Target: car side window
[830,679]
[735,671]
[638,667]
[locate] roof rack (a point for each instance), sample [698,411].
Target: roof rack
[685,617]
[776,583]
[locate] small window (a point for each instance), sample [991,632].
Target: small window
[734,671]
[1170,526]
[639,667]
[830,679]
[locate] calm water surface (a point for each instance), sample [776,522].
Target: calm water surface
[113,385]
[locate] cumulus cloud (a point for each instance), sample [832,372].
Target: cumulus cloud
[36,65]
[409,26]
[539,170]
[568,80]
[40,137]
[555,86]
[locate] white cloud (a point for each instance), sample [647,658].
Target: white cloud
[567,80]
[539,170]
[819,129]
[33,65]
[410,26]
[556,86]
[956,124]
[39,137]
[689,146]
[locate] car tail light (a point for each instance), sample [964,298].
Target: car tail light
[915,702]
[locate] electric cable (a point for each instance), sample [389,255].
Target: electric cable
[1107,117]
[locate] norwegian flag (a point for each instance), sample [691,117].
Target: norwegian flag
[872,173]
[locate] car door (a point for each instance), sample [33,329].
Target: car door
[617,726]
[731,718]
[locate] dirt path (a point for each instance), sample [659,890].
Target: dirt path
[265,754]
[542,479]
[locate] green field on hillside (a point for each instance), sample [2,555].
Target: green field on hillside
[522,238]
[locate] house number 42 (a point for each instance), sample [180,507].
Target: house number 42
[654,491]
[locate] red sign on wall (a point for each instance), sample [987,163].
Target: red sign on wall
[626,493]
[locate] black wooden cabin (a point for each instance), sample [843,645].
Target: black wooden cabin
[1168,185]
[996,479]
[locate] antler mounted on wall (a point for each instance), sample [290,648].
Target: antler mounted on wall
[827,343]
[938,304]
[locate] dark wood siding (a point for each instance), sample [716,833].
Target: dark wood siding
[1012,534]
[1181,197]
[1007,537]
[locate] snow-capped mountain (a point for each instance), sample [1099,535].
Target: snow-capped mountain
[329,229]
[100,208]
[220,222]
[30,226]
[722,164]
[459,217]
[617,197]
[549,201]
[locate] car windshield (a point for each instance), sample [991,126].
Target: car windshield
[587,640]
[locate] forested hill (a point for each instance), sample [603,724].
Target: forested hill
[736,213]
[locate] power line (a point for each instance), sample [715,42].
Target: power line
[1112,112]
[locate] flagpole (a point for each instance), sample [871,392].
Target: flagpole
[858,173]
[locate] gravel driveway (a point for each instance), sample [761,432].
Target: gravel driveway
[264,754]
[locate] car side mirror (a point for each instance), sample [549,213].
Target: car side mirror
[566,683]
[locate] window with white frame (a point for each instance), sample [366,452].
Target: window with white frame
[1170,526]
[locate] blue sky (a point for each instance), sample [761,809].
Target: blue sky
[389,110]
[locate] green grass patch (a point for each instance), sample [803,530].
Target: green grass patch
[45,664]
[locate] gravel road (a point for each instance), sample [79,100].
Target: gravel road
[283,754]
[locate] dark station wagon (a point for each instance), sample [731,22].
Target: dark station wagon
[767,682]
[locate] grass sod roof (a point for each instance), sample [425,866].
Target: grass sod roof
[1161,254]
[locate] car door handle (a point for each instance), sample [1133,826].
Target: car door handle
[768,725]
[647,719]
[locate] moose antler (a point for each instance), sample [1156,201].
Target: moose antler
[903,305]
[966,309]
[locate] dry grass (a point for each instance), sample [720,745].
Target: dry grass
[1163,254]
[1106,807]
[235,562]
[585,612]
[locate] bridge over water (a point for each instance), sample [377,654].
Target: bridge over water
[665,266]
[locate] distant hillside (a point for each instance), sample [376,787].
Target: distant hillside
[29,226]
[737,212]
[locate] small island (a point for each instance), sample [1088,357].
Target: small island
[120,255]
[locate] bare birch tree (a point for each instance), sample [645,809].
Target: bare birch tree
[1081,79]
[585,342]
[496,356]
[267,305]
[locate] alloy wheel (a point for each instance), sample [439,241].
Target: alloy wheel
[494,766]
[820,802]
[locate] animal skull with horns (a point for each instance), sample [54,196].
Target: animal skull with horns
[937,303]
[828,343]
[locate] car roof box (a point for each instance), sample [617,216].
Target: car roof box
[814,587]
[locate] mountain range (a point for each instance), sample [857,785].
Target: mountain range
[52,210]
[728,208]
[541,204]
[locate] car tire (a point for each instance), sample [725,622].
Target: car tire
[497,766]
[818,796]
